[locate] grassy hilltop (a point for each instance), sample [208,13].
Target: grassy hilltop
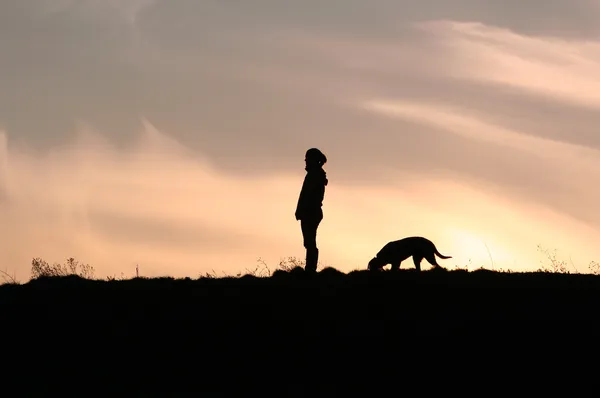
[361,299]
[383,298]
[291,323]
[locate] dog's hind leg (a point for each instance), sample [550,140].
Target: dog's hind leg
[396,266]
[431,259]
[417,260]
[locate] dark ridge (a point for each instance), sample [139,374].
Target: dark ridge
[479,294]
[293,331]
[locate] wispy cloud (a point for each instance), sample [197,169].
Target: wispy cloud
[564,69]
[455,121]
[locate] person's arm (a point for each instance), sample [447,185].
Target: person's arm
[298,213]
[300,203]
[303,197]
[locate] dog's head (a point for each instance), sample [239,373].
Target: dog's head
[375,264]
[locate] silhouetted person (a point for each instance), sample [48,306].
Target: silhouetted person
[309,210]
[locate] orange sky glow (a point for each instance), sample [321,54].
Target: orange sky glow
[76,202]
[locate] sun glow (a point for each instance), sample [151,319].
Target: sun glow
[474,251]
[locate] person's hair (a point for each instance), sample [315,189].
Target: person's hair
[317,155]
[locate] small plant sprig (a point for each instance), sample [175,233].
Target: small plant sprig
[41,268]
[8,278]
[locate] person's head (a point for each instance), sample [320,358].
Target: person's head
[315,157]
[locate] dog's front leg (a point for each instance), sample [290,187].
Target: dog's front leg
[417,261]
[396,266]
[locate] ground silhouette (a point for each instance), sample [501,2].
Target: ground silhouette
[293,333]
[343,297]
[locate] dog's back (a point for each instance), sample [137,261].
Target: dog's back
[404,248]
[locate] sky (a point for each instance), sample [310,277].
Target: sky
[171,133]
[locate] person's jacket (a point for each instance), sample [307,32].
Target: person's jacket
[311,197]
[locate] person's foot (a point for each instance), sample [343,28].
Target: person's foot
[310,270]
[312,258]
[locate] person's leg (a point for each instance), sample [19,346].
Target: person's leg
[309,233]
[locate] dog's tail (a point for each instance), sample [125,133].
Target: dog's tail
[440,255]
